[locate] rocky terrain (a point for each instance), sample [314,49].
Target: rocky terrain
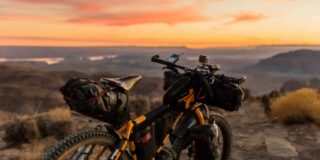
[255,137]
[258,137]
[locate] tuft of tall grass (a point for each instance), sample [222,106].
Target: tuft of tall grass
[26,129]
[299,106]
[60,114]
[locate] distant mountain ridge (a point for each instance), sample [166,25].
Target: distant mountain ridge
[298,62]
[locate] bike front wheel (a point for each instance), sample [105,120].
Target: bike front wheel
[222,140]
[84,145]
[213,144]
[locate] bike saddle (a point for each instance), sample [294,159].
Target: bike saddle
[125,83]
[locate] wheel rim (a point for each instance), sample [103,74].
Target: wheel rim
[217,141]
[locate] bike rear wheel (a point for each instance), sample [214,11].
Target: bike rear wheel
[84,145]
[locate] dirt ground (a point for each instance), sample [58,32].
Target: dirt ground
[258,137]
[255,137]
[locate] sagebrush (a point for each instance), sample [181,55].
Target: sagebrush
[299,106]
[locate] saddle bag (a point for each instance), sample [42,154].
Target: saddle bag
[227,93]
[99,100]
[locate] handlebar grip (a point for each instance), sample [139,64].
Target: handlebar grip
[156,59]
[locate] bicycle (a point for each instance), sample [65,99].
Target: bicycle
[187,97]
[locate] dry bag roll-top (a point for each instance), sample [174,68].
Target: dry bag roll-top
[98,100]
[227,92]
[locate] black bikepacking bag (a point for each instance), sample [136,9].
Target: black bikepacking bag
[98,100]
[227,93]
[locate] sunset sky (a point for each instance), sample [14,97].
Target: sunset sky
[191,23]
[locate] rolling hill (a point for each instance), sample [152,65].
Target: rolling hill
[299,62]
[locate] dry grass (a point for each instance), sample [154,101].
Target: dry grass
[26,129]
[36,149]
[60,114]
[297,107]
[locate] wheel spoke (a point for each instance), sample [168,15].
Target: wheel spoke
[102,149]
[88,151]
[78,153]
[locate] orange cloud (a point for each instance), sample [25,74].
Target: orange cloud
[246,17]
[80,5]
[124,13]
[93,6]
[173,16]
[14,17]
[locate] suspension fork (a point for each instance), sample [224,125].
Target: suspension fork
[201,111]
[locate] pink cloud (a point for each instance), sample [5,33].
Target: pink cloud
[246,17]
[173,16]
[97,5]
[123,13]
[80,5]
[27,17]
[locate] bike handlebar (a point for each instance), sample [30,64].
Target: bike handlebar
[156,59]
[207,86]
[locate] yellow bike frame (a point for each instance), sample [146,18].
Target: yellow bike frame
[125,131]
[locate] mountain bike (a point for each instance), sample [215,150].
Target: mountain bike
[195,132]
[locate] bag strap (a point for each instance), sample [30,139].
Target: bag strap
[91,99]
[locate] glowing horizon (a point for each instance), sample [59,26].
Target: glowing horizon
[190,23]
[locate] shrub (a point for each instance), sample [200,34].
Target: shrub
[22,131]
[55,123]
[297,107]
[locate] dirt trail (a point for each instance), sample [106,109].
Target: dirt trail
[257,137]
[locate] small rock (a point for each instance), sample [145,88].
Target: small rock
[241,135]
[309,138]
[240,143]
[279,132]
[318,137]
[3,145]
[236,155]
[280,147]
[256,141]
[292,138]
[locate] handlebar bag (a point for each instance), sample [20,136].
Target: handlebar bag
[179,89]
[97,100]
[227,93]
[169,77]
